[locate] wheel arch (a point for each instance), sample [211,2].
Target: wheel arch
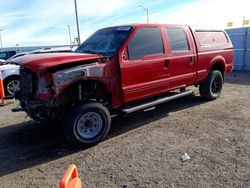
[11,76]
[88,87]
[218,63]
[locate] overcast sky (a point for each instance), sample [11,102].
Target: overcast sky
[44,22]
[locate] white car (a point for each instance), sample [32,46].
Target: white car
[10,76]
[18,55]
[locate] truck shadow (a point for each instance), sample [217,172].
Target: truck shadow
[28,144]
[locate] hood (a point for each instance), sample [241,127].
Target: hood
[41,62]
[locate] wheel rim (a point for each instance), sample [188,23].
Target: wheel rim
[89,125]
[13,86]
[216,85]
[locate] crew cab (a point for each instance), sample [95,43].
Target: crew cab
[121,69]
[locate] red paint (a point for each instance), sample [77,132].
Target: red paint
[132,80]
[41,62]
[149,76]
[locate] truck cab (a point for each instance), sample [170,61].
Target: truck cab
[157,59]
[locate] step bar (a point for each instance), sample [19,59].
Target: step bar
[156,102]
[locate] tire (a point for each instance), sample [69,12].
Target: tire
[211,88]
[11,85]
[87,124]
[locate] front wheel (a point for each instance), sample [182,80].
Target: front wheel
[211,88]
[87,124]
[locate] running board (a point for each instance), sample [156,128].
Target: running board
[156,102]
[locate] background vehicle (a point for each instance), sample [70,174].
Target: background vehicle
[10,72]
[17,55]
[122,69]
[7,54]
[52,50]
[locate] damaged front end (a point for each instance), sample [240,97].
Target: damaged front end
[63,78]
[46,95]
[34,95]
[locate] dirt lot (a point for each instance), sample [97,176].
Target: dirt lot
[143,149]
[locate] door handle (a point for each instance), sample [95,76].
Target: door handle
[191,60]
[166,63]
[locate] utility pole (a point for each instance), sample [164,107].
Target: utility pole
[77,24]
[70,42]
[146,9]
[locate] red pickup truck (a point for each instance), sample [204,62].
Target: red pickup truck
[121,69]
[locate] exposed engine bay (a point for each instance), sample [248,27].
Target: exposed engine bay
[46,94]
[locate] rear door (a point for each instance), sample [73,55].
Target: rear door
[143,64]
[181,57]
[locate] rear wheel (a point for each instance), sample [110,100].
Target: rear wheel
[11,85]
[87,124]
[211,88]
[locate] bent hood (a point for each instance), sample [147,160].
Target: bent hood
[41,62]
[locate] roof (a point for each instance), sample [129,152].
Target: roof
[146,25]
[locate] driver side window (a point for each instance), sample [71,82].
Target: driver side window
[146,41]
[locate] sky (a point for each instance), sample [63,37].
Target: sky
[44,22]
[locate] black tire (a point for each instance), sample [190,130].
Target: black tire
[87,124]
[11,81]
[211,88]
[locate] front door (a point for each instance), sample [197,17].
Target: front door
[143,67]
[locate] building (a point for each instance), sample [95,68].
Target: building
[241,41]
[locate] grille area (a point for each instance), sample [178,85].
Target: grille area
[28,82]
[25,81]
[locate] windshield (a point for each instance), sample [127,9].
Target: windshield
[105,41]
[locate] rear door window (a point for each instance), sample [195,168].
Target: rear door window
[177,39]
[146,41]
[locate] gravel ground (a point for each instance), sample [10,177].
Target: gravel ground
[143,149]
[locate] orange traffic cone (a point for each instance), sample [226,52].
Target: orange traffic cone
[2,94]
[70,178]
